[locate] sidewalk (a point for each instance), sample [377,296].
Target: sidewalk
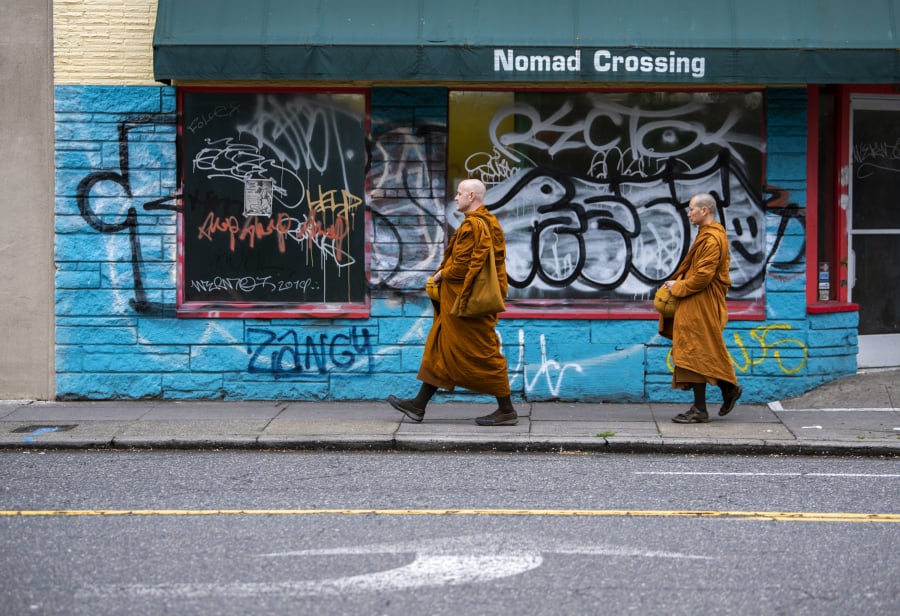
[856,415]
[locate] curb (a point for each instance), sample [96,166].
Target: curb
[457,444]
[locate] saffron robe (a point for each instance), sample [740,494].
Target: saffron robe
[466,351]
[702,281]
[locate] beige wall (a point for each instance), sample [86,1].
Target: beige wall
[26,202]
[86,30]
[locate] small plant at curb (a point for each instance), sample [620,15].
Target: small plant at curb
[606,434]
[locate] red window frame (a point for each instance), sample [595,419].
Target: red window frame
[825,216]
[254,309]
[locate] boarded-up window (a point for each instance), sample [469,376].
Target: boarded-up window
[273,218]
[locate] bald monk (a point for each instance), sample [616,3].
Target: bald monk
[701,282]
[465,351]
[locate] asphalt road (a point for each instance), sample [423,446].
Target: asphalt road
[235,532]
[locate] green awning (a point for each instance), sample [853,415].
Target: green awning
[484,41]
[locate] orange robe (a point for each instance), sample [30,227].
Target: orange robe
[702,281]
[466,351]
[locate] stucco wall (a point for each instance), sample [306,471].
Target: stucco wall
[26,246]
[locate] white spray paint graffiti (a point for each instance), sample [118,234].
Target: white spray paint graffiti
[552,371]
[615,227]
[407,205]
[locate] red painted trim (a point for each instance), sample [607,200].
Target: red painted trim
[614,88]
[841,193]
[812,193]
[259,310]
[614,311]
[829,307]
[272,89]
[842,189]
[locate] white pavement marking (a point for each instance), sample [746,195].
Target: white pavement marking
[438,562]
[875,409]
[421,572]
[721,473]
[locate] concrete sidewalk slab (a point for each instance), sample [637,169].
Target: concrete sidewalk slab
[335,426]
[857,415]
[69,411]
[867,389]
[595,429]
[755,413]
[339,410]
[716,430]
[220,412]
[73,433]
[842,425]
[560,411]
[193,427]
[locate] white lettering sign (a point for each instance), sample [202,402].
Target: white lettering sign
[508,61]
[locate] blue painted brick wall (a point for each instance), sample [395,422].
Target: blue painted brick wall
[118,337]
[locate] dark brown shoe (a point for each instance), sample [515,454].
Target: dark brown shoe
[694,415]
[407,408]
[498,418]
[730,400]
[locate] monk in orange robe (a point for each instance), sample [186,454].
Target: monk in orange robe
[461,350]
[701,282]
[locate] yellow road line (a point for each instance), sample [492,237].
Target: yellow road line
[776,516]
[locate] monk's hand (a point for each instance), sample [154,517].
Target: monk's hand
[437,276]
[669,284]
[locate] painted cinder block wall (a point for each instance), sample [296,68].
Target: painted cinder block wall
[117,336]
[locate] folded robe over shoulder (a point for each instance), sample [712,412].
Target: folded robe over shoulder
[461,351]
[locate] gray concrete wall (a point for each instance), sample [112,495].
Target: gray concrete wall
[26,201]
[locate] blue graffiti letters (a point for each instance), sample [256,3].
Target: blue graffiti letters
[291,353]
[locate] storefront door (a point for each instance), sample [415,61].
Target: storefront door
[874,227]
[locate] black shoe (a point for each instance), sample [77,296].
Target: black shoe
[499,418]
[407,408]
[730,400]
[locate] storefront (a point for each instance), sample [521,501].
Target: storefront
[314,154]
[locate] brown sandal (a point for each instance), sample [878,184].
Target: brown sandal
[694,415]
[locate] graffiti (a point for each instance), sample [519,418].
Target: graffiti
[250,230]
[571,237]
[302,132]
[222,111]
[292,354]
[407,205]
[551,371]
[299,157]
[223,158]
[789,353]
[122,178]
[306,231]
[655,136]
[789,214]
[492,168]
[592,190]
[249,283]
[866,157]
